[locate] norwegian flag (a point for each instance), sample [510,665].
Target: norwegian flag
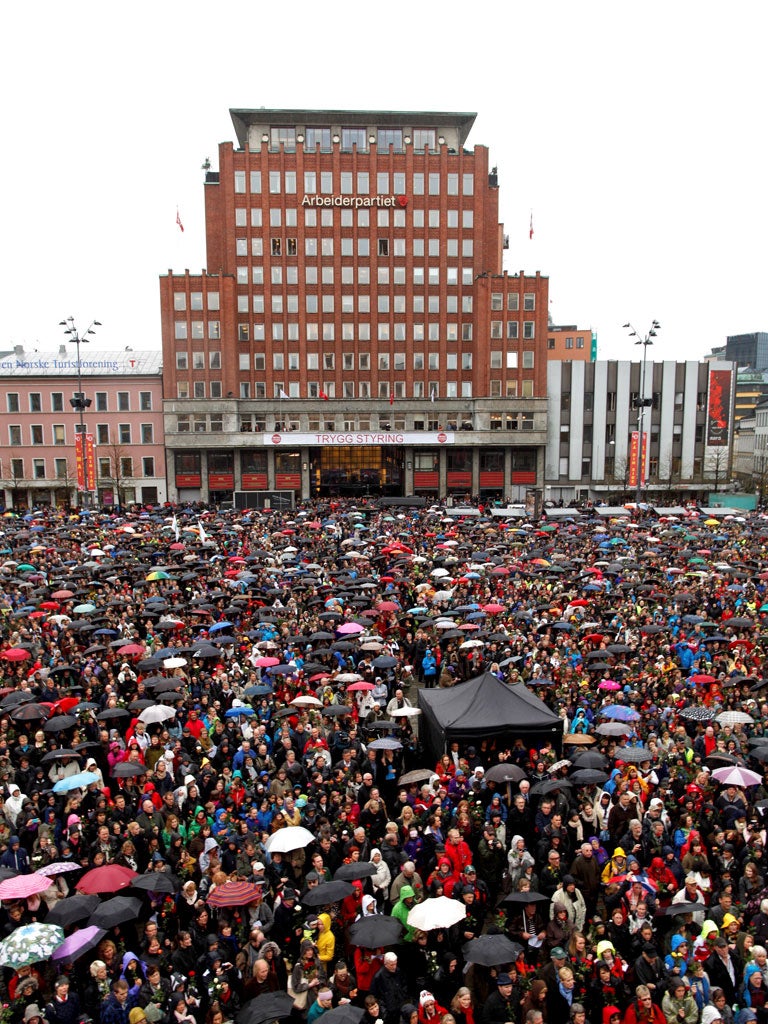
[178,221]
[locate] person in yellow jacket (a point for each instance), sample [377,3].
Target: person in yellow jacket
[617,865]
[326,943]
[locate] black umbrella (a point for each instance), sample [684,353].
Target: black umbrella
[344,1014]
[115,911]
[588,759]
[128,770]
[335,710]
[354,870]
[157,881]
[266,1007]
[110,713]
[491,950]
[549,785]
[374,931]
[505,773]
[526,897]
[589,777]
[29,713]
[327,892]
[72,910]
[54,755]
[59,723]
[636,755]
[680,908]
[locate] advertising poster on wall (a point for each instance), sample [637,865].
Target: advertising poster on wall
[719,408]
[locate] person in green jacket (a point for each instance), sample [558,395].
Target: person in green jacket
[402,908]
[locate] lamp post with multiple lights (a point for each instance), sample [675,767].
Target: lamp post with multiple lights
[642,402]
[78,401]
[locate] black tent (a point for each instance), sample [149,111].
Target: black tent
[486,708]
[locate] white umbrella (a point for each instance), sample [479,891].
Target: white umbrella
[468,644]
[157,713]
[735,775]
[442,595]
[439,573]
[174,662]
[735,718]
[305,701]
[439,912]
[405,712]
[348,677]
[293,837]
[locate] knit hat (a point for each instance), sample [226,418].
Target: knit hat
[137,1015]
[425,997]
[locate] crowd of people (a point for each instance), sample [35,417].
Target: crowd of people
[217,805]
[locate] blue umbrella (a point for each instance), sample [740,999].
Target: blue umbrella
[236,712]
[80,781]
[221,625]
[620,713]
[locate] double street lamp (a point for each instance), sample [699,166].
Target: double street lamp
[642,403]
[78,401]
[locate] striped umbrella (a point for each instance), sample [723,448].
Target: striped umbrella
[233,894]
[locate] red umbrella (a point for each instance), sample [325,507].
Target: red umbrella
[107,878]
[702,677]
[131,650]
[493,608]
[23,886]
[387,606]
[50,606]
[361,685]
[233,894]
[15,654]
[66,704]
[62,595]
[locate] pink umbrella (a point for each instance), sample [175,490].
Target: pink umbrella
[132,650]
[266,662]
[23,886]
[493,608]
[350,627]
[609,684]
[353,687]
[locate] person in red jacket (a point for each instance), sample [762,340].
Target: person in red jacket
[643,1010]
[457,852]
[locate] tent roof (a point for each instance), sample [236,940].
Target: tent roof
[486,704]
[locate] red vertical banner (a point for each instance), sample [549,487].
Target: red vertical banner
[80,462]
[634,459]
[90,463]
[718,408]
[643,457]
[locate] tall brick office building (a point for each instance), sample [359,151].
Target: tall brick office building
[354,331]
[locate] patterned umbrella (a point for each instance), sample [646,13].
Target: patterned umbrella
[697,713]
[23,886]
[233,894]
[729,718]
[30,944]
[737,776]
[58,867]
[634,754]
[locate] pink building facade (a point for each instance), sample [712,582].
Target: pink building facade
[38,464]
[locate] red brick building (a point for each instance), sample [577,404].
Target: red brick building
[354,330]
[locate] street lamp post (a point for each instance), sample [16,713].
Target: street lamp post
[642,402]
[78,401]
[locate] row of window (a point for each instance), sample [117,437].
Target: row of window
[610,432]
[64,470]
[257,423]
[568,343]
[58,434]
[355,274]
[196,300]
[101,399]
[363,249]
[312,138]
[587,400]
[327,361]
[326,303]
[362,332]
[349,389]
[348,183]
[327,216]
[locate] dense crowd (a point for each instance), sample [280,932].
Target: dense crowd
[217,805]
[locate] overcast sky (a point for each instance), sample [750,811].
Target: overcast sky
[635,134]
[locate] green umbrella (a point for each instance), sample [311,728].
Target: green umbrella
[30,944]
[25,567]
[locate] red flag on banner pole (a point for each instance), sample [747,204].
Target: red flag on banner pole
[178,220]
[323,396]
[530,229]
[391,397]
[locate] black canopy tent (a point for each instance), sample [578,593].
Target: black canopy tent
[485,708]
